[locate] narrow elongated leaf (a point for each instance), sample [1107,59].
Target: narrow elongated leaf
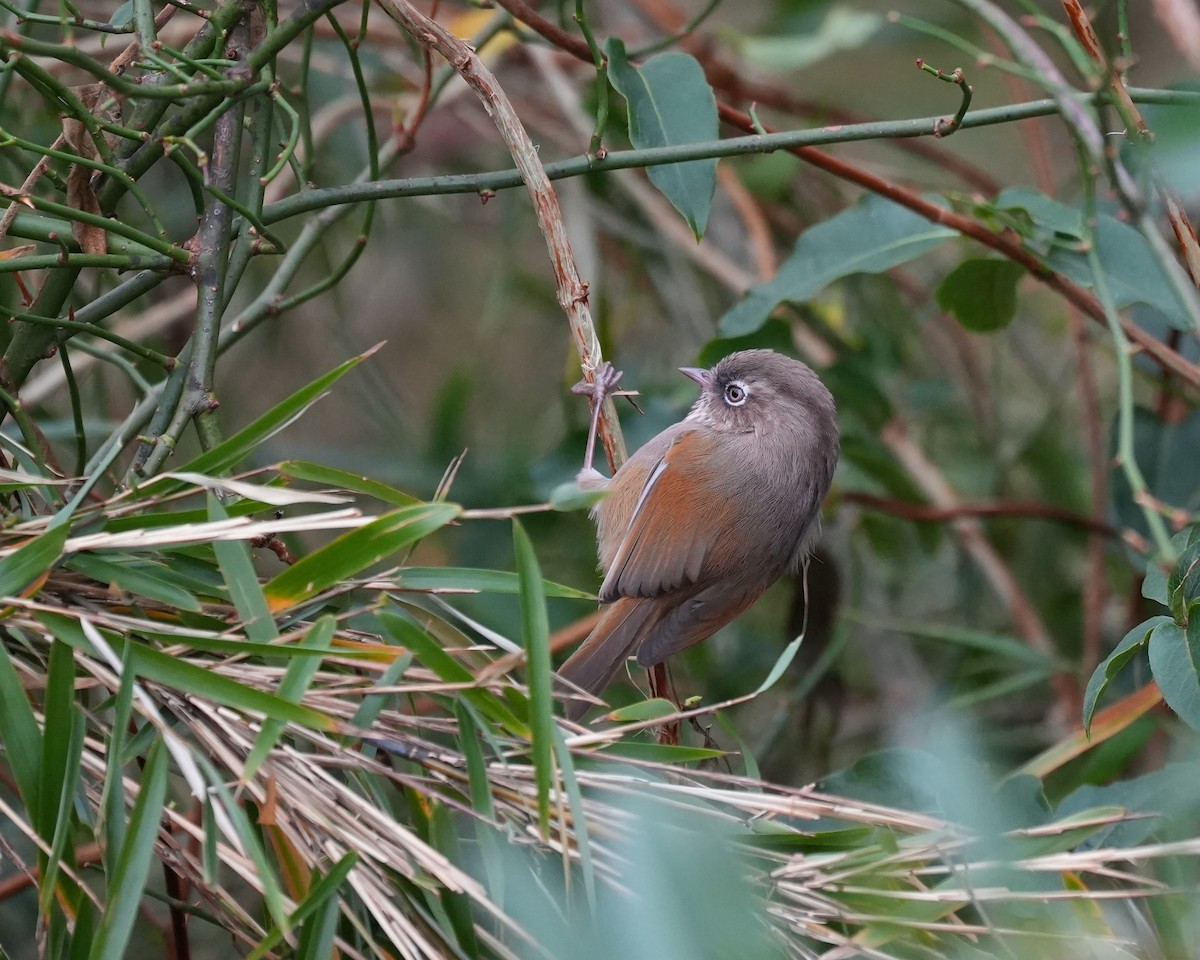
[112,802]
[295,683]
[267,494]
[31,560]
[1175,663]
[321,892]
[138,578]
[373,703]
[157,666]
[670,103]
[233,557]
[566,764]
[333,477]
[540,673]
[1114,663]
[427,650]
[226,455]
[872,236]
[62,745]
[65,791]
[19,733]
[654,709]
[128,878]
[351,553]
[470,580]
[659,752]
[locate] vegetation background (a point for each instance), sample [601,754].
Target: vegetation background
[290,544]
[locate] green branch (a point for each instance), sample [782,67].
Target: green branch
[733,146]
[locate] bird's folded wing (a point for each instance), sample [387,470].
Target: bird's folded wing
[678,519]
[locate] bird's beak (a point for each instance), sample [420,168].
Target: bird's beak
[699,374]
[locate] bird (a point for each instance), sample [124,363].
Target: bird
[705,516]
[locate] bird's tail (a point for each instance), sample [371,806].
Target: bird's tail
[590,668]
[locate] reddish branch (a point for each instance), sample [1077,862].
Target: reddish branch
[1029,509]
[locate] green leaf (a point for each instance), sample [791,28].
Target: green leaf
[31,560]
[343,479]
[407,634]
[472,580]
[127,881]
[19,733]
[226,455]
[670,103]
[1114,663]
[177,673]
[872,236]
[1175,663]
[353,552]
[539,671]
[659,752]
[566,763]
[237,567]
[840,29]
[571,496]
[1132,271]
[1166,454]
[322,892]
[62,749]
[1183,585]
[296,680]
[122,15]
[1047,222]
[654,709]
[981,293]
[138,577]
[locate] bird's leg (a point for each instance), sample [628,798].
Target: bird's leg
[605,383]
[662,685]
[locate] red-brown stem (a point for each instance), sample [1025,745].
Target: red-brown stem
[1020,509]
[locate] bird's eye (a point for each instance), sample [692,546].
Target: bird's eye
[736,393]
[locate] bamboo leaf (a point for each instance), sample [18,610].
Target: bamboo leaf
[161,668]
[296,680]
[536,631]
[345,480]
[233,557]
[660,752]
[321,893]
[472,580]
[407,634]
[228,454]
[32,560]
[19,733]
[128,878]
[351,553]
[136,577]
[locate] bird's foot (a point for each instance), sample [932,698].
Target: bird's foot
[607,377]
[604,383]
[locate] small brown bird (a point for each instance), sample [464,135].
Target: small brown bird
[708,514]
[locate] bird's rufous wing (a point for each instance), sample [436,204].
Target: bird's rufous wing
[679,516]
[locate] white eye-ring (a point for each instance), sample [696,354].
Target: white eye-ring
[736,393]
